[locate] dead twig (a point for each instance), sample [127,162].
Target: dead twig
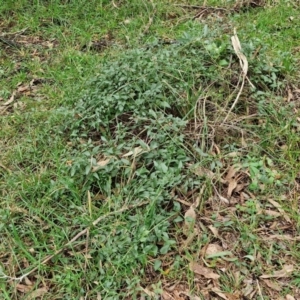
[259,290]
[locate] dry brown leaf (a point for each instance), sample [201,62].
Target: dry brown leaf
[190,296]
[186,203]
[148,292]
[190,215]
[19,105]
[214,230]
[203,271]
[23,88]
[231,174]
[280,209]
[232,180]
[135,152]
[282,237]
[240,187]
[289,297]
[223,199]
[290,96]
[197,202]
[10,100]
[200,171]
[27,281]
[23,288]
[233,154]
[189,220]
[231,187]
[273,285]
[37,293]
[285,272]
[271,213]
[211,249]
[100,164]
[248,290]
[219,293]
[166,296]
[235,296]
[251,296]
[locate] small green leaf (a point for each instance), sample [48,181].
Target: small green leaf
[164,168]
[157,264]
[165,249]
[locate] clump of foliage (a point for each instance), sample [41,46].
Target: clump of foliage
[131,123]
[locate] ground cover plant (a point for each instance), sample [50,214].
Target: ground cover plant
[149,149]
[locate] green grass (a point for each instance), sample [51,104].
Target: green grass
[148,105]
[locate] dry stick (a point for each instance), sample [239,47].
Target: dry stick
[259,290]
[77,236]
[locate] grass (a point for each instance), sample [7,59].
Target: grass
[118,114]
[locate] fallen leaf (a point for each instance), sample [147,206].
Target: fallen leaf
[273,285]
[240,187]
[271,213]
[214,230]
[202,172]
[37,293]
[166,296]
[19,104]
[23,88]
[27,281]
[219,293]
[282,237]
[135,152]
[100,164]
[285,272]
[190,215]
[231,173]
[189,220]
[148,292]
[233,154]
[10,100]
[23,288]
[223,199]
[280,209]
[231,187]
[248,289]
[232,179]
[196,203]
[203,271]
[289,297]
[211,249]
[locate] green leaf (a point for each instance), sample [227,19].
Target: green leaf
[157,264]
